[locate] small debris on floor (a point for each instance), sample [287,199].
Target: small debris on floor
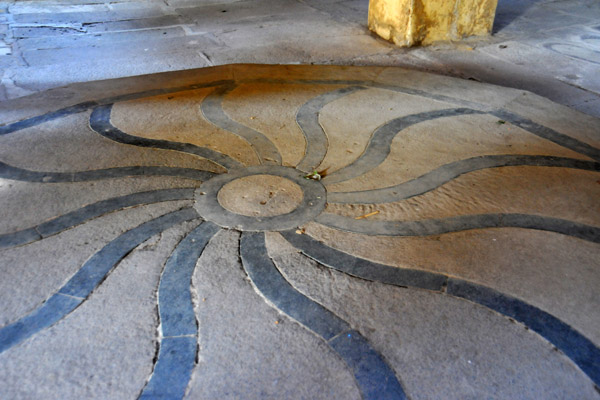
[315,176]
[368,215]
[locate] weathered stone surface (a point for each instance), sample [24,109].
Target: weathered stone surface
[32,273]
[464,190]
[103,349]
[248,349]
[440,346]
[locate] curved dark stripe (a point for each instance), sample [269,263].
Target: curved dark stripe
[549,134]
[40,119]
[77,108]
[100,123]
[73,218]
[448,172]
[576,346]
[461,223]
[379,146]
[177,354]
[20,174]
[89,276]
[375,378]
[308,121]
[363,268]
[212,108]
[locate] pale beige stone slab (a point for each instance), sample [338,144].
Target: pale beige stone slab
[425,146]
[558,117]
[68,144]
[271,109]
[558,192]
[350,121]
[177,117]
[260,196]
[484,95]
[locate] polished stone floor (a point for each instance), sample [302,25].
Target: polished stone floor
[298,232]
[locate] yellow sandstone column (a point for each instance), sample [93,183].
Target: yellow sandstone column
[414,22]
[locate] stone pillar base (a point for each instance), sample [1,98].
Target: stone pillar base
[422,22]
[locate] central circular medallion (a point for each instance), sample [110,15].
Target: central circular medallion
[262,198]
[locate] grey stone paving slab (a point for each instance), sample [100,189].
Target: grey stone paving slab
[87,278]
[105,348]
[439,346]
[169,41]
[363,268]
[374,377]
[32,273]
[62,198]
[274,357]
[175,300]
[178,330]
[69,220]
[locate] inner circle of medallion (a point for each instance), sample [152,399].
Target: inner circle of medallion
[216,200]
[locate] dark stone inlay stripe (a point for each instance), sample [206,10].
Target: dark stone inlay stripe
[576,346]
[96,268]
[40,119]
[375,378]
[377,85]
[362,268]
[18,238]
[177,348]
[173,369]
[100,123]
[448,172]
[274,287]
[549,134]
[20,174]
[77,108]
[88,212]
[177,317]
[379,146]
[53,309]
[461,223]
[212,108]
[89,276]
[308,121]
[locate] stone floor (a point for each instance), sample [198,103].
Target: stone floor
[549,47]
[298,232]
